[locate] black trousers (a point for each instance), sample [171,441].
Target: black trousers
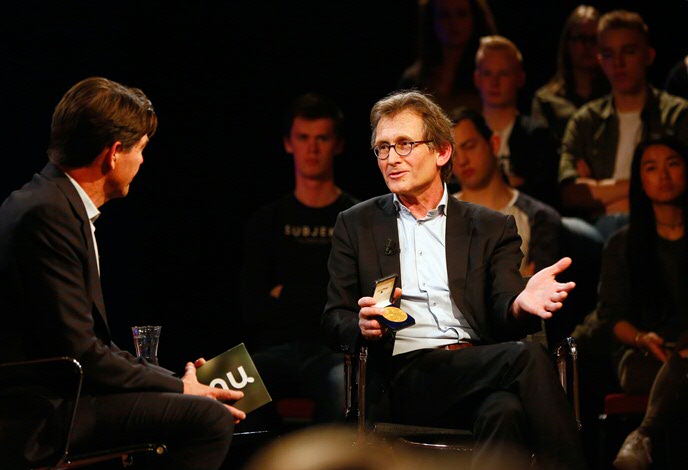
[508,394]
[196,430]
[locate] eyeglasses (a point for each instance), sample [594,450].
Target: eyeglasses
[402,148]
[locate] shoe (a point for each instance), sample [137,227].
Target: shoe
[635,453]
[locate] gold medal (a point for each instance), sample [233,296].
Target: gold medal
[395,314]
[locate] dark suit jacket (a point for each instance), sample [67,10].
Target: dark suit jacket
[483,258]
[51,302]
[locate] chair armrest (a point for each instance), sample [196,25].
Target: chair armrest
[567,348]
[362,364]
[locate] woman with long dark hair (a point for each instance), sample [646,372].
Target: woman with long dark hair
[578,78]
[450,32]
[642,293]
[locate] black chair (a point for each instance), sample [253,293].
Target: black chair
[440,438]
[37,407]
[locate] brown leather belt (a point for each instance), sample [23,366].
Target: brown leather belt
[455,346]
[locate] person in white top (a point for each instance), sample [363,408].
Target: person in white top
[482,182]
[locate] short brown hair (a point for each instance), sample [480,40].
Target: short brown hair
[94,114]
[497,43]
[437,126]
[618,19]
[312,106]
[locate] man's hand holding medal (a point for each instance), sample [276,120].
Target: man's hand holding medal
[378,313]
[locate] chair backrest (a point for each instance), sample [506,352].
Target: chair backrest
[37,404]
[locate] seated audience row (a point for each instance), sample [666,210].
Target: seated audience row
[598,144]
[595,133]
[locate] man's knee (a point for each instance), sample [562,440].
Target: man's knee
[501,420]
[530,354]
[530,365]
[501,409]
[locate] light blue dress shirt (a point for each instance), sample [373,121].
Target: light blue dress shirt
[425,282]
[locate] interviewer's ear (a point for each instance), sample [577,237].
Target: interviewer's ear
[109,156]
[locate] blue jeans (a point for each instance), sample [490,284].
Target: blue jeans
[608,224]
[310,370]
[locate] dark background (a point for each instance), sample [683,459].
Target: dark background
[219,75]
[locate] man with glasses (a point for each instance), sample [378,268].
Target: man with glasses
[460,364]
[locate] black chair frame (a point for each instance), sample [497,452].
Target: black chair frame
[565,352]
[37,409]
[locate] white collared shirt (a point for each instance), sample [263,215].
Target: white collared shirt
[425,282]
[92,213]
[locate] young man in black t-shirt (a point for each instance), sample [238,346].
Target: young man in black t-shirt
[285,265]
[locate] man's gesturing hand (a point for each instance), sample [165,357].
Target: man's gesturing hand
[193,387]
[543,294]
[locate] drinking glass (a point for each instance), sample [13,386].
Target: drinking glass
[146,339]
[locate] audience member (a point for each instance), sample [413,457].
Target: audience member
[285,268]
[460,363]
[527,153]
[644,272]
[677,80]
[599,140]
[448,40]
[51,302]
[578,78]
[545,235]
[482,182]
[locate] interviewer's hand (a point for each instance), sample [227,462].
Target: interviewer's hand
[193,387]
[371,329]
